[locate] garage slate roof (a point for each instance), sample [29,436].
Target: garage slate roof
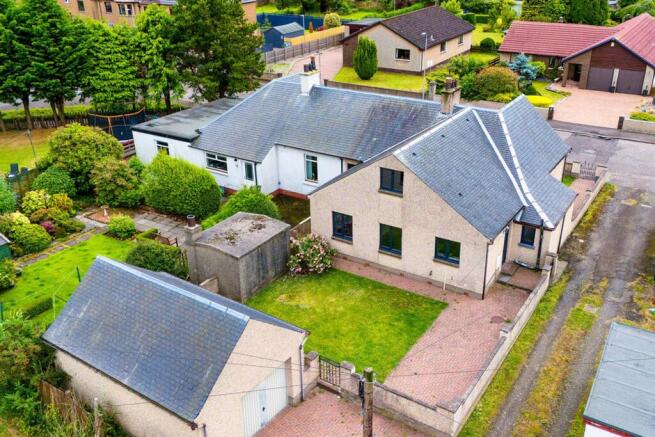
[439,24]
[623,394]
[567,40]
[332,121]
[163,338]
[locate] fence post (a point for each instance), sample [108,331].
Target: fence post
[79,277]
[368,403]
[621,121]
[96,418]
[2,312]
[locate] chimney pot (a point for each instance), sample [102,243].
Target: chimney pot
[450,96]
[191,220]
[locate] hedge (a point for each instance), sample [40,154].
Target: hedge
[482,18]
[642,116]
[158,257]
[38,308]
[71,111]
[248,199]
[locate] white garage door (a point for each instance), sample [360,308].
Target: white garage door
[262,404]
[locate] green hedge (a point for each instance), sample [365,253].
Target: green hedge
[482,19]
[247,199]
[642,116]
[71,111]
[389,14]
[151,255]
[38,308]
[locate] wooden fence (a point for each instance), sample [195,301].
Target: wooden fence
[69,408]
[335,31]
[284,53]
[43,122]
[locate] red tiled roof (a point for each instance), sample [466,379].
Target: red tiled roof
[568,40]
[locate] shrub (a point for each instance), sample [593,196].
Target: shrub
[482,19]
[7,198]
[470,17]
[35,200]
[7,274]
[525,70]
[502,97]
[115,183]
[62,202]
[531,91]
[642,116]
[331,20]
[365,58]
[121,226]
[496,80]
[452,6]
[463,65]
[469,87]
[30,238]
[540,101]
[310,254]
[77,149]
[488,44]
[179,187]
[9,222]
[53,181]
[159,257]
[136,165]
[247,199]
[38,308]
[540,67]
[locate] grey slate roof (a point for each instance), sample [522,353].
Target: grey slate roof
[623,393]
[184,125]
[343,123]
[288,28]
[164,338]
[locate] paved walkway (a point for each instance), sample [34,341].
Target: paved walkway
[595,108]
[169,227]
[329,64]
[445,361]
[326,414]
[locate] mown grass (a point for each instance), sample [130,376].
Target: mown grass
[542,88]
[479,34]
[15,147]
[538,411]
[487,409]
[351,318]
[383,79]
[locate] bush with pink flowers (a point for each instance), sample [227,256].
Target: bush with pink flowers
[309,255]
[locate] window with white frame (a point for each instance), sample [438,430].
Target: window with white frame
[125,9]
[402,54]
[461,40]
[162,147]
[216,162]
[311,168]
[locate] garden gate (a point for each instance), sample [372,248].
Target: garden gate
[329,371]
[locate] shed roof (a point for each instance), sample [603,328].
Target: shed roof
[242,233]
[164,338]
[184,125]
[288,28]
[4,240]
[623,394]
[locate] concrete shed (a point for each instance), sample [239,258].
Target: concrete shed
[239,255]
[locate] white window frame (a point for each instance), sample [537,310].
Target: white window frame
[162,146]
[245,172]
[126,10]
[210,156]
[403,59]
[443,46]
[311,158]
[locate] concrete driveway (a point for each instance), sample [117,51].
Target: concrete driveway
[595,108]
[329,62]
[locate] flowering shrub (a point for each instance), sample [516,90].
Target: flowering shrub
[310,254]
[34,200]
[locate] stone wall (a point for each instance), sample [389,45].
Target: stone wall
[638,126]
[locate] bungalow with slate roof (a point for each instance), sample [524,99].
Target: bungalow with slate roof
[416,41]
[617,59]
[455,202]
[170,358]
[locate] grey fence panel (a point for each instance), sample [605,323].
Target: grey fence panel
[282,54]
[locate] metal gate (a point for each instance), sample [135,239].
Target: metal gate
[588,171]
[329,371]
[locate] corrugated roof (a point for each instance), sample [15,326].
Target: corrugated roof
[164,338]
[333,121]
[623,393]
[292,27]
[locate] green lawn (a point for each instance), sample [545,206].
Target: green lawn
[541,87]
[270,8]
[479,34]
[350,317]
[383,79]
[292,210]
[15,147]
[483,56]
[57,274]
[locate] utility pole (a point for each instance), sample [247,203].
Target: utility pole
[368,402]
[96,418]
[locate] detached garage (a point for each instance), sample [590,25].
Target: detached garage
[169,358]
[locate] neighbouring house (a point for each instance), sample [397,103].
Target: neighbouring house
[290,136]
[275,36]
[454,203]
[5,249]
[416,41]
[170,358]
[616,59]
[622,398]
[239,255]
[125,11]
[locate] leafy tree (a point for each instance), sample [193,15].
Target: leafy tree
[477,6]
[501,13]
[179,187]
[365,58]
[452,6]
[543,10]
[21,351]
[115,183]
[7,198]
[112,80]
[496,80]
[589,11]
[247,199]
[220,56]
[526,71]
[462,65]
[76,149]
[158,54]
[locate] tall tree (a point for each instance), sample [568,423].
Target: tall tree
[111,81]
[158,55]
[543,10]
[589,12]
[220,55]
[15,63]
[56,51]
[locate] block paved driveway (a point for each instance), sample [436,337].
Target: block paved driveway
[325,414]
[595,108]
[446,360]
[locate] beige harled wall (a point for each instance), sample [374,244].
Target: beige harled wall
[421,214]
[222,413]
[387,42]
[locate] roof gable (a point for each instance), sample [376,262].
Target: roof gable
[163,338]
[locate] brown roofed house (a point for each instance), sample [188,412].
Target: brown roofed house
[416,41]
[616,59]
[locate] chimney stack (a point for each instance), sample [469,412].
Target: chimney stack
[450,96]
[309,78]
[432,91]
